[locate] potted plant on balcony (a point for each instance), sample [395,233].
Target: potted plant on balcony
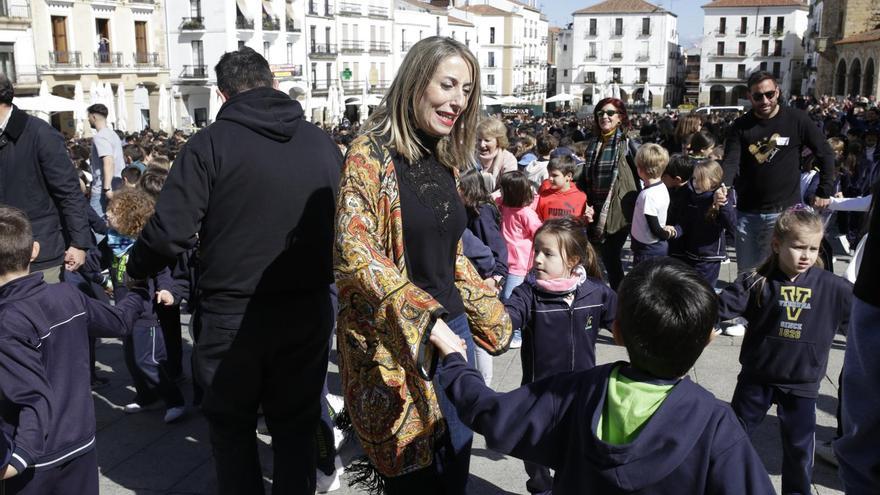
[192,23]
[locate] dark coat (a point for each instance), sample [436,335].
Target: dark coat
[37,177]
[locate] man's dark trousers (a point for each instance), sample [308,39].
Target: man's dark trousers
[275,356]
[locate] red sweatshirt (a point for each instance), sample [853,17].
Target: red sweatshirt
[555,203]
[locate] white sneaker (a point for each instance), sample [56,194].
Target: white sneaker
[330,482]
[736,330]
[172,414]
[336,403]
[516,340]
[135,408]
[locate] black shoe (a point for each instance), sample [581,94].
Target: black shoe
[99,382]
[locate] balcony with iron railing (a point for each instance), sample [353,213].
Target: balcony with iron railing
[271,23]
[728,55]
[143,59]
[773,54]
[15,10]
[381,85]
[320,86]
[641,57]
[617,56]
[353,86]
[723,78]
[639,80]
[194,72]
[720,33]
[243,23]
[65,59]
[349,9]
[378,12]
[589,80]
[192,24]
[590,56]
[292,26]
[150,2]
[380,47]
[589,35]
[319,50]
[352,46]
[644,33]
[740,33]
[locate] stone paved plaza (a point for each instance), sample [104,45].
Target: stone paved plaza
[138,454]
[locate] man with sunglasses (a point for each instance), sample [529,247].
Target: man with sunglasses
[762,158]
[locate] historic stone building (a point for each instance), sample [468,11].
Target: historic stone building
[844,51]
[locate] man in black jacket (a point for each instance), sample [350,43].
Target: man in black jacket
[37,177]
[762,159]
[259,188]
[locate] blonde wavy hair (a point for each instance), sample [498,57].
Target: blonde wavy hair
[394,120]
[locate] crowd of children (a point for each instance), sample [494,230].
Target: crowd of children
[643,425]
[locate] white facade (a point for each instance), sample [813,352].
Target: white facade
[102,42]
[624,51]
[740,40]
[811,53]
[414,20]
[17,58]
[204,30]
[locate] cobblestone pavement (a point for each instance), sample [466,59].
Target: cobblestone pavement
[138,454]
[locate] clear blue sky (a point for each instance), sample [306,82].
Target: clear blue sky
[690,15]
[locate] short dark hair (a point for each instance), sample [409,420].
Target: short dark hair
[99,109]
[7,91]
[665,315]
[131,174]
[152,181]
[242,70]
[545,144]
[759,76]
[565,164]
[679,166]
[16,240]
[133,151]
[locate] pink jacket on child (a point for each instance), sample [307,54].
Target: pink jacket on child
[518,226]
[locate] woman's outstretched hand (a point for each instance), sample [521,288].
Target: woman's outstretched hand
[446,341]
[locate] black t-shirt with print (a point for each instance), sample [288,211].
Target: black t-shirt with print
[762,159]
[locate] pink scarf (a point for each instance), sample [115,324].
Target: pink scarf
[564,285]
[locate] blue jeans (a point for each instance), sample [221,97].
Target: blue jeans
[753,234]
[857,450]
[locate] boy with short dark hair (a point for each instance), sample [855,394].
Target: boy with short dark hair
[130,177]
[639,427]
[558,196]
[537,170]
[46,406]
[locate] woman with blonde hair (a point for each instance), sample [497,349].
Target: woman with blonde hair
[401,272]
[492,154]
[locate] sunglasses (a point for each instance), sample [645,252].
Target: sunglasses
[767,94]
[610,113]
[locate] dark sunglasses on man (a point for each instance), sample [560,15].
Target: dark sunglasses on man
[766,94]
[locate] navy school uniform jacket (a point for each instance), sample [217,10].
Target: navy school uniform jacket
[486,226]
[103,258]
[701,239]
[791,326]
[45,391]
[693,444]
[559,337]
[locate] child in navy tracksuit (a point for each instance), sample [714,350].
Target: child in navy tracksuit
[793,309]
[700,221]
[144,348]
[560,312]
[46,409]
[639,427]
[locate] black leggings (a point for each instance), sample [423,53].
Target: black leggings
[609,253]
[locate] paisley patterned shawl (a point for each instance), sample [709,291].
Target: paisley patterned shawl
[382,317]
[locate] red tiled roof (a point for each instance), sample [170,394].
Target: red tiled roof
[755,3]
[459,22]
[861,37]
[620,7]
[485,10]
